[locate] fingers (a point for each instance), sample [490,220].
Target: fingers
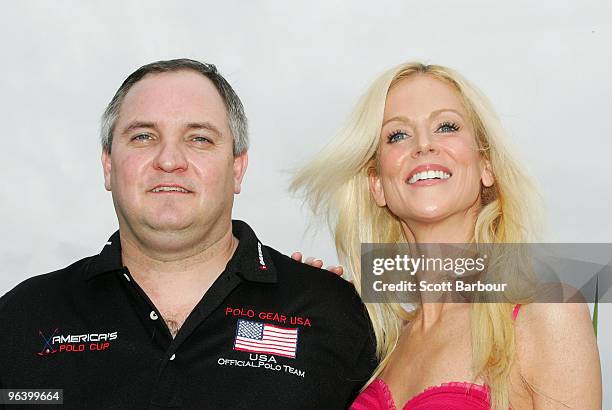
[338,270]
[317,263]
[297,256]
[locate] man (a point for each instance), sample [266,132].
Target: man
[184,307]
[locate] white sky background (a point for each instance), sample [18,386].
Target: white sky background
[299,69]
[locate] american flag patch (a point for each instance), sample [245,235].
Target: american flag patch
[260,337]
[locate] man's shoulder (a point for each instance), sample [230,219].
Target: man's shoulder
[315,282]
[333,298]
[45,285]
[290,269]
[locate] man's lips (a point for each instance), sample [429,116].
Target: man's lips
[170,188]
[427,174]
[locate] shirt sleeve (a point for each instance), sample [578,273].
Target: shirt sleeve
[366,360]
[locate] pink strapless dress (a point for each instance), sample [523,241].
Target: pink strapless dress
[447,396]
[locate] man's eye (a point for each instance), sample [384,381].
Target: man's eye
[200,139]
[448,127]
[396,136]
[141,137]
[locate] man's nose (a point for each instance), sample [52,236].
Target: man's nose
[170,157]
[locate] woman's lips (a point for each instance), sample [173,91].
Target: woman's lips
[428,182]
[428,174]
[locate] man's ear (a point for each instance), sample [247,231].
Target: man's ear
[486,175]
[240,166]
[376,188]
[106,168]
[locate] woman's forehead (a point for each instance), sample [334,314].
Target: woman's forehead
[420,95]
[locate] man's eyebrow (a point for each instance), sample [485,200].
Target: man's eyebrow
[203,125]
[138,125]
[190,125]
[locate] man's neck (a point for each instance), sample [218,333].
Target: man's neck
[175,281]
[178,255]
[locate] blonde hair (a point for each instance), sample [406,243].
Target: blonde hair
[335,186]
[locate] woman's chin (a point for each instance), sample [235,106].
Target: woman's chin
[426,216]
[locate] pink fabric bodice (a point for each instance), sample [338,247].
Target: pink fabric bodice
[447,396]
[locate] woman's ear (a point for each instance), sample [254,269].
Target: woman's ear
[486,176]
[376,188]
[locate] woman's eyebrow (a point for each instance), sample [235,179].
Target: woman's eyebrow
[404,119]
[440,111]
[399,118]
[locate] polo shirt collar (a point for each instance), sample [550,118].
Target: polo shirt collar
[251,260]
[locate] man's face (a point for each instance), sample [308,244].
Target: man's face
[171,166]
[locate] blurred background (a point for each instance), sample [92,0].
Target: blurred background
[299,69]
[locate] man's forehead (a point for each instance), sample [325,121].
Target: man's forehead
[178,94]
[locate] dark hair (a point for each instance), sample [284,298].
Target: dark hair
[236,117]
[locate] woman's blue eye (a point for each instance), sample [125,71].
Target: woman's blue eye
[448,127]
[397,136]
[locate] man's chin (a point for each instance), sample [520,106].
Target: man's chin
[170,227]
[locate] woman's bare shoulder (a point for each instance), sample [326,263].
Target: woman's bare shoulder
[557,354]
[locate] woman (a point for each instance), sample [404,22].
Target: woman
[372,185]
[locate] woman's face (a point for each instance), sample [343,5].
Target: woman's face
[429,167]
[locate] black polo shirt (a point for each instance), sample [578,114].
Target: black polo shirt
[270,333]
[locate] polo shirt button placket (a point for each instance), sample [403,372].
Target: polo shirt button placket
[153,315]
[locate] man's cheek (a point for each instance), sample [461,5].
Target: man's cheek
[215,174]
[129,171]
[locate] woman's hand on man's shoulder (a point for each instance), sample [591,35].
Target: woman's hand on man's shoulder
[317,263]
